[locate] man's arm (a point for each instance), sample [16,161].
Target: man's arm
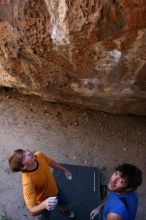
[59,167]
[113,216]
[48,204]
[36,210]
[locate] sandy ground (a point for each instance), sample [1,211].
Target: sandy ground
[69,135]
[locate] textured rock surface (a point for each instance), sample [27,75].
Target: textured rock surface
[90,53]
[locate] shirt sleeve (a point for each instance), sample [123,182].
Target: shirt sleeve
[46,158]
[122,212]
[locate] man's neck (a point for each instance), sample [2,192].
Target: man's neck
[120,193]
[33,166]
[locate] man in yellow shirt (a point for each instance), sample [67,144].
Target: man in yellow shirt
[40,191]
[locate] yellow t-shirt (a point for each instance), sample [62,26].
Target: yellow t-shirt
[40,183]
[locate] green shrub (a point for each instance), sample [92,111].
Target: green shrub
[4,216]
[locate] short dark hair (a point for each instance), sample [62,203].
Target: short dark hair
[15,160]
[132,174]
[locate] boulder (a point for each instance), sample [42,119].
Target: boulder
[83,52]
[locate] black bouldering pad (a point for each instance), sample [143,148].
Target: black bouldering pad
[83,191]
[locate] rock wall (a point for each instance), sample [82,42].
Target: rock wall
[90,53]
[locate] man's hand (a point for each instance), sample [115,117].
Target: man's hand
[68,174]
[59,167]
[94,212]
[50,203]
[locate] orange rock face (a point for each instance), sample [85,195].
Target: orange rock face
[84,52]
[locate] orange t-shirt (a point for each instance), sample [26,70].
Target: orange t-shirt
[40,183]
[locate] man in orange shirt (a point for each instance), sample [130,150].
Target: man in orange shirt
[40,191]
